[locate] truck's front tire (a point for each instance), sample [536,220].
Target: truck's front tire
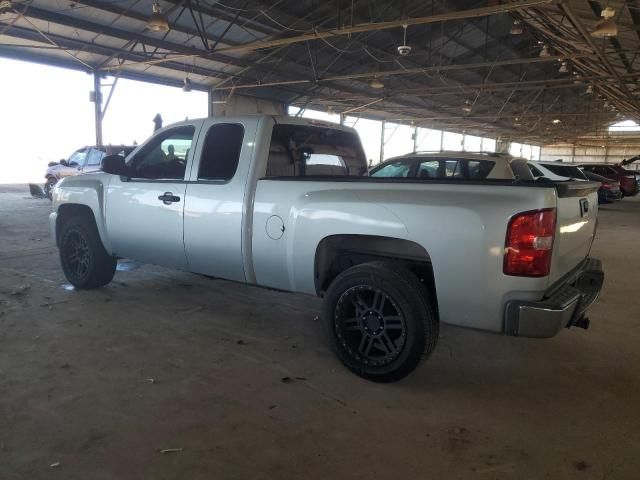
[85,262]
[381,320]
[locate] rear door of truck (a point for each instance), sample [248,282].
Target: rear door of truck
[576,219]
[215,203]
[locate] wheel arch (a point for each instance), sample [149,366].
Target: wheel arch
[67,211]
[336,253]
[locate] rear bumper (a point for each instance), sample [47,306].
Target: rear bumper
[564,304]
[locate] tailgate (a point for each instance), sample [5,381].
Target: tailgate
[577,212]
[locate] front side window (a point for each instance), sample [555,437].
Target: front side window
[77,158]
[221,152]
[393,170]
[429,169]
[165,157]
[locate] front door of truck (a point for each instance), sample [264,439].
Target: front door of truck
[217,198]
[144,214]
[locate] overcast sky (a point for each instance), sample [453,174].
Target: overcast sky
[45,114]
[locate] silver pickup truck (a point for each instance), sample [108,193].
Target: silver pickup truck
[286,203]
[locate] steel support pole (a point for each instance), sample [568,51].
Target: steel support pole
[97,102]
[210,102]
[415,139]
[384,124]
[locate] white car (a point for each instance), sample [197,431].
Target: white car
[473,166]
[285,203]
[83,160]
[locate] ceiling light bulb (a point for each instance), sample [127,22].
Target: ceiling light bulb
[516,28]
[467,106]
[564,68]
[377,84]
[607,26]
[6,6]
[589,90]
[186,87]
[555,121]
[545,51]
[157,21]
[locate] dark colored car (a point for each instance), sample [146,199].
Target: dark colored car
[627,180]
[609,190]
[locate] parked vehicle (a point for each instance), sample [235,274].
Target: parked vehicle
[539,170]
[281,202]
[609,190]
[477,166]
[566,170]
[86,159]
[628,184]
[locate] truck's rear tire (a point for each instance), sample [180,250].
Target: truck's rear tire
[85,262]
[381,320]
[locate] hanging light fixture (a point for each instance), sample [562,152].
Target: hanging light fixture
[545,51]
[376,84]
[186,87]
[556,121]
[516,28]
[404,49]
[6,6]
[564,67]
[157,21]
[467,106]
[590,90]
[607,26]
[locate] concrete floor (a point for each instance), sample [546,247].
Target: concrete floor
[95,384]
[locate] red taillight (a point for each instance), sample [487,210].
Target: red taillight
[607,186]
[529,243]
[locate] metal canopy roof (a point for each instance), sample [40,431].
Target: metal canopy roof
[465,72]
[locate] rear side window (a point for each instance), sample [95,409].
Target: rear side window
[455,168]
[393,170]
[566,171]
[221,152]
[306,150]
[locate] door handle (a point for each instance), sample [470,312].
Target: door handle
[168,198]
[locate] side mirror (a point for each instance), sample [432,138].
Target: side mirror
[114,164]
